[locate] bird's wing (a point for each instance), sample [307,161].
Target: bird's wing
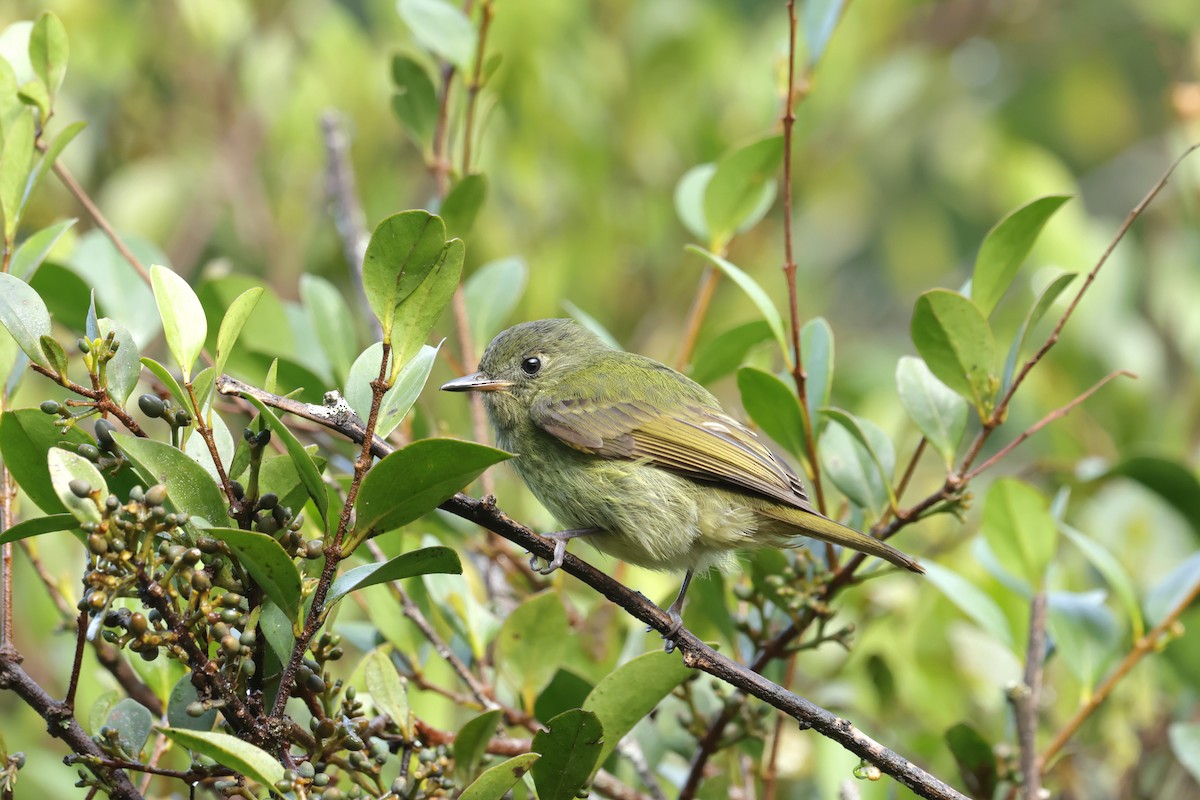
[699,442]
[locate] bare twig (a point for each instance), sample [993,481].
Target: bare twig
[8,492]
[342,193]
[1026,696]
[475,82]
[61,724]
[85,200]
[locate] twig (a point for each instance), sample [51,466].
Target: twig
[696,654]
[696,315]
[8,492]
[77,660]
[342,192]
[1144,646]
[1025,697]
[1056,414]
[100,397]
[68,180]
[475,84]
[61,724]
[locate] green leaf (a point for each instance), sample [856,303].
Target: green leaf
[190,489]
[689,199]
[415,101]
[66,467]
[940,413]
[816,346]
[975,758]
[332,321]
[34,93]
[230,751]
[774,408]
[756,294]
[26,437]
[184,324]
[1114,574]
[33,251]
[16,160]
[631,691]
[470,745]
[419,312]
[530,645]
[1085,634]
[388,690]
[462,205]
[1170,480]
[24,315]
[39,525]
[741,189]
[954,339]
[403,250]
[820,21]
[725,353]
[494,783]
[1044,302]
[1185,744]
[1005,248]
[183,694]
[425,561]
[852,466]
[492,293]
[268,563]
[416,479]
[1019,529]
[133,722]
[233,322]
[48,51]
[125,367]
[441,28]
[310,476]
[971,600]
[570,749]
[56,357]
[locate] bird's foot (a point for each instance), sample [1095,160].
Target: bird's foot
[672,635]
[560,550]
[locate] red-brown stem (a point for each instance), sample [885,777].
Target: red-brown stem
[207,435]
[1025,697]
[8,492]
[704,296]
[475,84]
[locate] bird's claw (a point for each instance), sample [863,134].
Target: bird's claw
[672,633]
[560,551]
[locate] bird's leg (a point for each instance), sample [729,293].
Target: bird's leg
[675,612]
[560,548]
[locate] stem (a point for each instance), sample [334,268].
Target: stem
[1025,697]
[704,296]
[475,84]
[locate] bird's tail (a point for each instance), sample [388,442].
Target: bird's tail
[825,529]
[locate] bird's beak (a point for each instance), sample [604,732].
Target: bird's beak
[476,383]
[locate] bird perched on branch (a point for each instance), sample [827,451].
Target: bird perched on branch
[640,459]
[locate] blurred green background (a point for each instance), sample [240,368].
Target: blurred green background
[926,123]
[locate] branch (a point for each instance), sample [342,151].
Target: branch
[61,724]
[1025,698]
[342,193]
[696,654]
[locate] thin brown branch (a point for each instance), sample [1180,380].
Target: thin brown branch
[342,192]
[61,724]
[696,654]
[1026,696]
[1150,643]
[475,83]
[8,493]
[210,441]
[1056,414]
[103,403]
[695,319]
[85,200]
[77,660]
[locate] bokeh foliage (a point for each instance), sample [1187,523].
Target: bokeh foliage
[923,126]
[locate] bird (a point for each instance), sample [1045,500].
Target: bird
[641,461]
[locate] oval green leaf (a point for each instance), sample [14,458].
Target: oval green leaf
[234,320]
[268,564]
[133,722]
[462,205]
[402,251]
[725,353]
[1005,248]
[48,51]
[495,782]
[940,413]
[742,186]
[39,525]
[389,691]
[956,342]
[426,561]
[570,749]
[66,467]
[24,315]
[416,479]
[184,324]
[190,489]
[441,28]
[631,691]
[774,408]
[530,645]
[471,743]
[230,751]
[1019,529]
[34,250]
[124,369]
[415,101]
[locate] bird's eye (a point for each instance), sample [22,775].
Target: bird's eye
[531,366]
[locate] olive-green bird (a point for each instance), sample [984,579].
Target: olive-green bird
[641,459]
